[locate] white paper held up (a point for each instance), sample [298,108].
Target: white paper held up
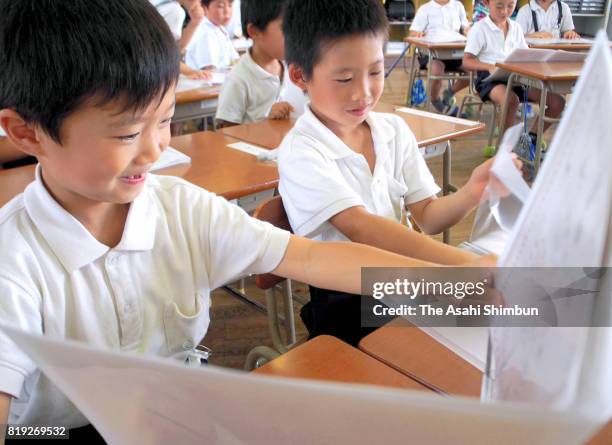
[133,399]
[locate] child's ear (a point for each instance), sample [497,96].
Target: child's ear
[21,134]
[296,74]
[252,31]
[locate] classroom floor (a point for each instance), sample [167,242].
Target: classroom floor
[236,327]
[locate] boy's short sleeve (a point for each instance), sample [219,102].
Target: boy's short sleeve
[417,177]
[237,244]
[523,18]
[567,22]
[232,103]
[198,52]
[463,16]
[475,41]
[312,186]
[19,309]
[419,23]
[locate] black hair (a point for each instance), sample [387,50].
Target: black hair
[310,25]
[56,54]
[259,13]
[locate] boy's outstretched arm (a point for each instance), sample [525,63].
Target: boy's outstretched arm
[338,265]
[361,226]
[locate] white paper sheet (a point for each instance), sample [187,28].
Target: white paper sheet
[242,44]
[263,154]
[534,41]
[138,400]
[566,223]
[169,158]
[443,35]
[186,84]
[440,117]
[526,55]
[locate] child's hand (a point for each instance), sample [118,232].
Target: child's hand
[481,177]
[492,69]
[541,35]
[196,12]
[280,110]
[417,34]
[571,34]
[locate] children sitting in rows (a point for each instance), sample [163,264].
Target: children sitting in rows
[211,46]
[253,90]
[449,14]
[97,249]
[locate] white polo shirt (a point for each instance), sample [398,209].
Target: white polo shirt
[433,15]
[210,45]
[149,294]
[547,20]
[320,176]
[250,91]
[487,42]
[173,14]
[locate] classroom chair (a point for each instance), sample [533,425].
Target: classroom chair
[472,98]
[272,211]
[417,73]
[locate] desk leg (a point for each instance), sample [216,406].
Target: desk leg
[447,187]
[397,61]
[541,118]
[413,68]
[429,60]
[502,124]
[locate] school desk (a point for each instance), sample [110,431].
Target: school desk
[556,77]
[214,166]
[409,350]
[433,133]
[445,51]
[198,103]
[327,358]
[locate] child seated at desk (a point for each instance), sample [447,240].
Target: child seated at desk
[491,40]
[253,90]
[174,15]
[211,46]
[348,173]
[547,19]
[448,14]
[96,249]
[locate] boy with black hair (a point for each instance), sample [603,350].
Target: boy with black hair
[347,173]
[253,90]
[211,47]
[547,19]
[96,249]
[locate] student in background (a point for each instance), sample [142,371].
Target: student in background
[449,14]
[253,89]
[174,15]
[348,173]
[491,40]
[97,249]
[211,46]
[547,19]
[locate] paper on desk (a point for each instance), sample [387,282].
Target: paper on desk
[186,84]
[169,158]
[242,44]
[134,399]
[566,222]
[263,154]
[552,41]
[440,117]
[442,34]
[526,55]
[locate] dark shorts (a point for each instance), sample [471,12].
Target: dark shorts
[338,314]
[449,64]
[484,88]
